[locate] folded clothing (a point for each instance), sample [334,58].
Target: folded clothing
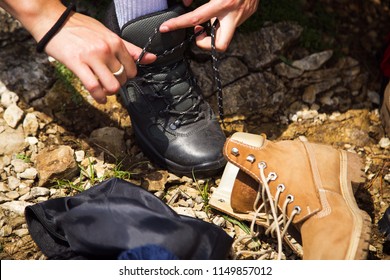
[116,216]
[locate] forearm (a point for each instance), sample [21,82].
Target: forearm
[37,16]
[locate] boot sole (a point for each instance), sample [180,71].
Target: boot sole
[351,172]
[204,170]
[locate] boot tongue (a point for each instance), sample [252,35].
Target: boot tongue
[179,88]
[140,30]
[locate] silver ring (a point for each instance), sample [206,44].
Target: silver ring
[120,71]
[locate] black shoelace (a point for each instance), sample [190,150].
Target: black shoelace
[191,112]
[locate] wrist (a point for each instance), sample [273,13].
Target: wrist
[37,16]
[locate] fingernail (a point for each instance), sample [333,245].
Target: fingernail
[164,28]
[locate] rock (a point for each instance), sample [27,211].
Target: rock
[313,61]
[19,165]
[29,174]
[111,140]
[5,231]
[13,115]
[21,232]
[384,143]
[56,162]
[9,98]
[39,191]
[288,71]
[15,206]
[12,141]
[30,125]
[12,195]
[263,47]
[310,93]
[260,92]
[155,181]
[80,155]
[184,211]
[13,183]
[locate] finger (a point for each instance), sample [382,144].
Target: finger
[105,75]
[120,74]
[194,18]
[90,82]
[135,51]
[224,34]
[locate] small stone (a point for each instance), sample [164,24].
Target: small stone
[13,183]
[31,140]
[16,206]
[39,191]
[30,173]
[19,165]
[201,215]
[184,211]
[9,98]
[12,194]
[30,124]
[5,231]
[219,221]
[13,115]
[384,143]
[80,155]
[3,187]
[4,198]
[21,232]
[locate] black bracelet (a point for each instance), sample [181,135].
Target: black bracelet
[56,27]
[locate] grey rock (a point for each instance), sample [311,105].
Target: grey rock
[263,47]
[313,61]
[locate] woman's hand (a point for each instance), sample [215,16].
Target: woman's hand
[230,13]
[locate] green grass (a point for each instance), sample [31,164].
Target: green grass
[23,157]
[88,175]
[68,79]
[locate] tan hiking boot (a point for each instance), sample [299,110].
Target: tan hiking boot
[385,110]
[306,187]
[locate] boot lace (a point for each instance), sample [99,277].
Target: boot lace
[269,212]
[194,112]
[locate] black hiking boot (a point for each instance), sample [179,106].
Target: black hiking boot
[174,126]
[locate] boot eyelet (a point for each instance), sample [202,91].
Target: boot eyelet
[298,209]
[272,176]
[281,187]
[290,198]
[262,165]
[251,158]
[235,152]
[175,125]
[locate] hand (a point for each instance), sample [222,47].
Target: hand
[230,13]
[93,53]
